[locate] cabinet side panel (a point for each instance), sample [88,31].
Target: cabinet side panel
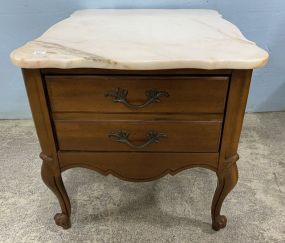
[234,115]
[41,117]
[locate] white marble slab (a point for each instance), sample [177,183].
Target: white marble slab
[142,39]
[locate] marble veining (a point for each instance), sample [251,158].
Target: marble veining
[142,40]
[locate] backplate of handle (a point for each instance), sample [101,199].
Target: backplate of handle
[123,137]
[152,96]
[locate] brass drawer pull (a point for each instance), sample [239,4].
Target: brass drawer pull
[123,137]
[120,96]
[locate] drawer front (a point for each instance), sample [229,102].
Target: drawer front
[145,135]
[151,94]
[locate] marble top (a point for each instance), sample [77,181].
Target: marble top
[142,40]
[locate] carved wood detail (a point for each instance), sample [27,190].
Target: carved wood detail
[127,178]
[45,157]
[138,166]
[229,162]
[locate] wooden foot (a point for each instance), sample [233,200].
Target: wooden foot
[219,222]
[227,179]
[62,220]
[54,182]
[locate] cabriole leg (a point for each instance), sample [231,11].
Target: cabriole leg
[54,182]
[227,179]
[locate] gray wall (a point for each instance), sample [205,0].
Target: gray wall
[262,21]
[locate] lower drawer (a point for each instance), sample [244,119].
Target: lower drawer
[137,166]
[138,135]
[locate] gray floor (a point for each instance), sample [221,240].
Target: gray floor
[172,209]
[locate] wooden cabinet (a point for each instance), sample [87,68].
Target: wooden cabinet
[138,125]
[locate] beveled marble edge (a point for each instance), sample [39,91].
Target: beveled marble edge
[41,53]
[68,61]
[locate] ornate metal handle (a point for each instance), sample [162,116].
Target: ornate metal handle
[120,95]
[123,137]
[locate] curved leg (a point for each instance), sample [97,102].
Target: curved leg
[227,179]
[55,184]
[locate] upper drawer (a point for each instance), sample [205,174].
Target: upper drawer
[148,94]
